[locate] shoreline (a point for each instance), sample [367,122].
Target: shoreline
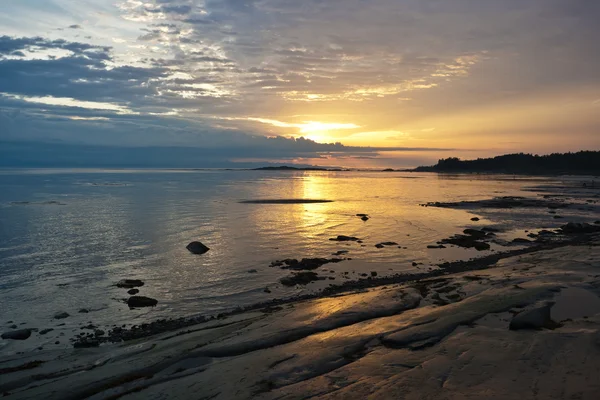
[398,339]
[160,326]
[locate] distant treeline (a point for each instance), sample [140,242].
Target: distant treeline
[583,162]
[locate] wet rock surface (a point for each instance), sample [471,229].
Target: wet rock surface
[445,336]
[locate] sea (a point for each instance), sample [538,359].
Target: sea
[67,236]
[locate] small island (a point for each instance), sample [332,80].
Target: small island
[580,163]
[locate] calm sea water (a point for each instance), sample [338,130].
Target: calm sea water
[67,236]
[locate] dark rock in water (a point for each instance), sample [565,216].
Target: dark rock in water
[389,244]
[133,291]
[468,242]
[574,228]
[373,273]
[433,246]
[536,318]
[475,219]
[557,217]
[267,290]
[252,271]
[308,263]
[141,301]
[475,233]
[83,310]
[414,264]
[197,248]
[61,315]
[301,278]
[21,334]
[365,218]
[342,238]
[13,326]
[85,343]
[532,235]
[361,215]
[521,240]
[130,283]
[490,229]
[44,331]
[340,252]
[379,246]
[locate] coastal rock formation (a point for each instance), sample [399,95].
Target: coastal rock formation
[133,291]
[141,301]
[197,248]
[439,337]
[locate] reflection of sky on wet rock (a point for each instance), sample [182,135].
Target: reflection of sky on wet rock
[140,227]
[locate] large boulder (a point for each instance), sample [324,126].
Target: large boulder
[197,248]
[141,301]
[21,334]
[536,318]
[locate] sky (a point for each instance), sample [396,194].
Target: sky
[357,83]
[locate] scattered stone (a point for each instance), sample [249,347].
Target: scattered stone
[99,332]
[536,318]
[342,238]
[141,301]
[252,271]
[373,273]
[521,240]
[197,248]
[13,326]
[267,290]
[438,246]
[300,278]
[44,331]
[414,264]
[20,334]
[362,215]
[130,283]
[365,218]
[389,244]
[57,342]
[61,315]
[133,291]
[557,217]
[340,252]
[475,219]
[83,310]
[379,246]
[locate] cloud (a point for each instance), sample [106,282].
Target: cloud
[357,71]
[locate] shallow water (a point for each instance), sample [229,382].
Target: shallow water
[67,236]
